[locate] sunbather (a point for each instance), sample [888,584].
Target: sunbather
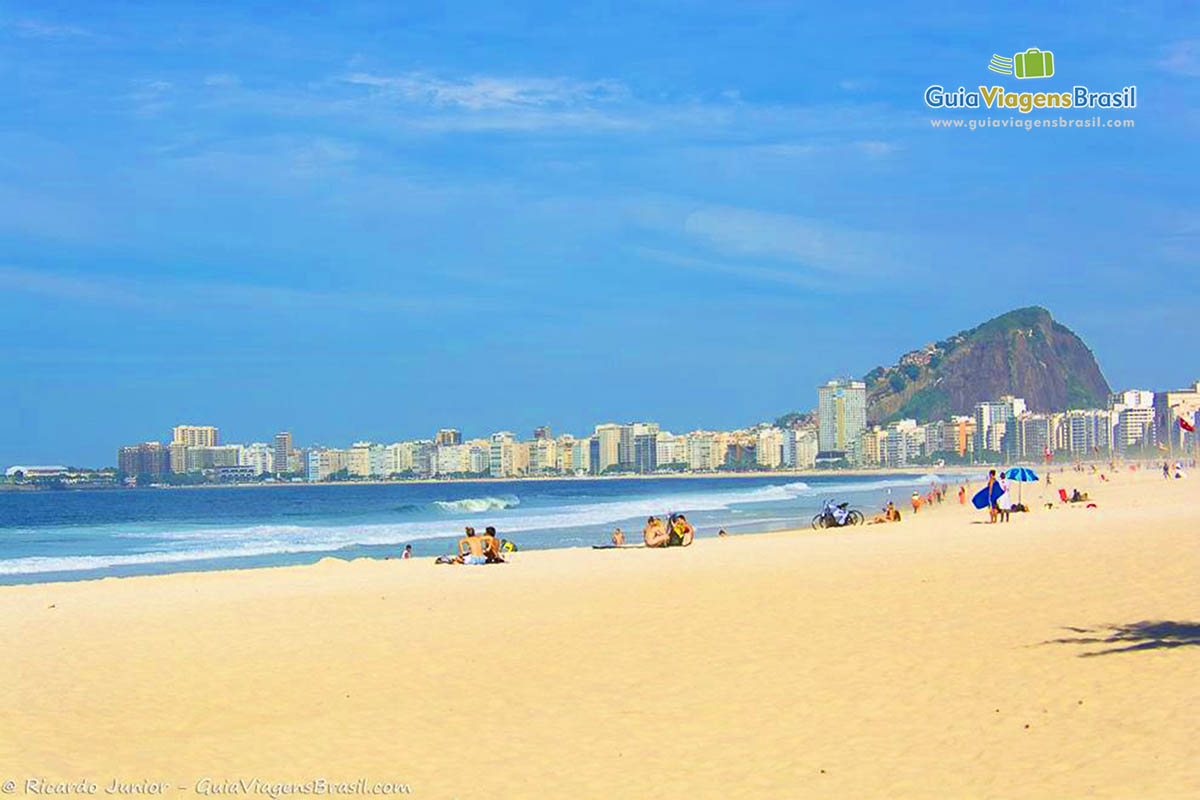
[890,514]
[491,546]
[681,531]
[471,549]
[655,533]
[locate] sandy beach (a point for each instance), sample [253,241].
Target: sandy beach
[1053,657]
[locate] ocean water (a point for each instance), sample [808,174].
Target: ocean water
[50,536]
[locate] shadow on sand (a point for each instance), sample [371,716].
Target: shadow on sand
[1145,635]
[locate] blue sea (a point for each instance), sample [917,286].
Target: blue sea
[75,535]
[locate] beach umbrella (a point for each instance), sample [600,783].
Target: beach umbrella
[1021,475]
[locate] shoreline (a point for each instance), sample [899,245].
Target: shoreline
[823,473]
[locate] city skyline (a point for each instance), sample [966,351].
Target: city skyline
[1133,421]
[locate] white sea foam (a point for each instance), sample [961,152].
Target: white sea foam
[476,504]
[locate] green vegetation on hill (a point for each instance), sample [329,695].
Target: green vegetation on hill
[1023,353]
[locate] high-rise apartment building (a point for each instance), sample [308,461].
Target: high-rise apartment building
[502,454]
[768,447]
[993,420]
[447,436]
[148,458]
[195,436]
[1169,408]
[645,452]
[542,432]
[608,439]
[841,414]
[283,451]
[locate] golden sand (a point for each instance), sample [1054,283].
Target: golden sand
[936,658]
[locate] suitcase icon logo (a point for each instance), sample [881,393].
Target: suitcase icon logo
[1033,63]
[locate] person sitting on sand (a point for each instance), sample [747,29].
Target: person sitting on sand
[471,549]
[407,551]
[722,532]
[491,546]
[618,538]
[890,514]
[681,531]
[655,533]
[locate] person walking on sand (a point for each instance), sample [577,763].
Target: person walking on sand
[655,533]
[962,495]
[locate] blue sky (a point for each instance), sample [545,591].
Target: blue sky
[373,221]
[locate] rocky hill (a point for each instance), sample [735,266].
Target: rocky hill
[1023,353]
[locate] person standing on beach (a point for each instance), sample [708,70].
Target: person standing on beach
[962,495]
[993,503]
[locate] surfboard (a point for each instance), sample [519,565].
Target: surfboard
[616,546]
[982,499]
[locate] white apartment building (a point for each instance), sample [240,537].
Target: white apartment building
[259,455]
[768,448]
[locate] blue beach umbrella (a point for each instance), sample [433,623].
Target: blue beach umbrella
[1021,475]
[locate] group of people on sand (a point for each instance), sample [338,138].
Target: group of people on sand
[936,494]
[674,531]
[474,549]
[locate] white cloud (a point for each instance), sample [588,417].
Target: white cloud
[815,243]
[173,298]
[748,272]
[37,29]
[1182,58]
[222,79]
[487,93]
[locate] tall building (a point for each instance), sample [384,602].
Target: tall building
[148,458]
[645,452]
[502,454]
[841,414]
[260,456]
[1086,431]
[1169,408]
[669,449]
[1036,435]
[993,420]
[608,438]
[447,437]
[542,432]
[1135,429]
[283,451]
[195,436]
[768,447]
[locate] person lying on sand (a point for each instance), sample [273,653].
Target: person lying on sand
[655,533]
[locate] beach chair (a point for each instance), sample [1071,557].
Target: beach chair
[1062,496]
